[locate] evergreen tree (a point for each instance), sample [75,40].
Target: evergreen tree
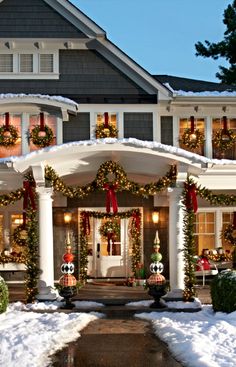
[225,48]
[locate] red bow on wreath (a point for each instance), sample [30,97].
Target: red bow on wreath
[191,197]
[111,200]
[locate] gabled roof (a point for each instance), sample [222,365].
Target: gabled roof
[192,85]
[100,42]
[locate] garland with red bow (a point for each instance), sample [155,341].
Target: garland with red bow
[225,138]
[192,138]
[41,135]
[8,133]
[106,129]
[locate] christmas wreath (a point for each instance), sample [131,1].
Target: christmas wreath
[223,139]
[111,167]
[20,235]
[8,135]
[110,228]
[192,139]
[103,131]
[42,137]
[229,234]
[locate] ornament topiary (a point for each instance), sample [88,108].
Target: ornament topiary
[4,296]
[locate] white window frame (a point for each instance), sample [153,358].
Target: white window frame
[36,74]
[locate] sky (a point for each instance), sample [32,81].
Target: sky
[160,35]
[202,338]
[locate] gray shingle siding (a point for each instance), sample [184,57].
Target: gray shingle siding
[78,128]
[34,18]
[167,130]
[138,125]
[82,72]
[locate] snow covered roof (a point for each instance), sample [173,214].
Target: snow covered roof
[22,97]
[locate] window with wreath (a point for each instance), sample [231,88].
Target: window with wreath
[50,122]
[227,218]
[106,125]
[197,125]
[217,125]
[15,149]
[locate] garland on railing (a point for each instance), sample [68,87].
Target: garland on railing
[121,180]
[134,232]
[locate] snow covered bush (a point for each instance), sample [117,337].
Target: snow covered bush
[4,298]
[223,291]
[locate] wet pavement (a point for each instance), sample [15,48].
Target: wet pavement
[116,343]
[119,339]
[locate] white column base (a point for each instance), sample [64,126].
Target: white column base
[47,293]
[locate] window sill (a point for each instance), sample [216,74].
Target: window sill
[29,76]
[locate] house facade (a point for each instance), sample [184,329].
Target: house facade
[58,69]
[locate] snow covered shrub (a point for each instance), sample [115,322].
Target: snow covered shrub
[4,297]
[223,291]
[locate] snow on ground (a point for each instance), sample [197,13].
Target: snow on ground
[196,304]
[203,338]
[29,338]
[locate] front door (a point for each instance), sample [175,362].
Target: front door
[108,258]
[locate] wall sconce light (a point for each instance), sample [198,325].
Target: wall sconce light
[155,217]
[67,218]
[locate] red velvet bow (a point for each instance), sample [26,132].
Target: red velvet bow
[191,197]
[7,120]
[106,119]
[28,194]
[111,198]
[86,224]
[42,123]
[137,220]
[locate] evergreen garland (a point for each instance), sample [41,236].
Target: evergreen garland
[32,256]
[189,249]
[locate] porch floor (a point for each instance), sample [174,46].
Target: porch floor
[108,294]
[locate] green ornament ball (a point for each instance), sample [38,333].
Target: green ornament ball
[156,256]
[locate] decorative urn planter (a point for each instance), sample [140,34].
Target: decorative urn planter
[67,281]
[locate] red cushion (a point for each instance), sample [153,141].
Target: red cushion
[203,264]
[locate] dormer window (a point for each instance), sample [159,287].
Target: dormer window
[29,65]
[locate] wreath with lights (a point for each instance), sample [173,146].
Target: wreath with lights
[42,137]
[108,131]
[229,234]
[223,139]
[110,227]
[111,167]
[20,235]
[190,142]
[8,135]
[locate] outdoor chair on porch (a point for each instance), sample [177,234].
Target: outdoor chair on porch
[205,268]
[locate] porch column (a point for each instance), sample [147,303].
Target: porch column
[176,243]
[46,265]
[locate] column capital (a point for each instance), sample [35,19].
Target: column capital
[44,191]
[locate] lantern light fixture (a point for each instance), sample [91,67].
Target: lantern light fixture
[155,216]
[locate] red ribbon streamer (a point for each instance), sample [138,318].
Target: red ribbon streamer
[234,223]
[111,200]
[7,120]
[225,127]
[192,124]
[42,124]
[28,194]
[106,119]
[191,197]
[137,220]
[86,224]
